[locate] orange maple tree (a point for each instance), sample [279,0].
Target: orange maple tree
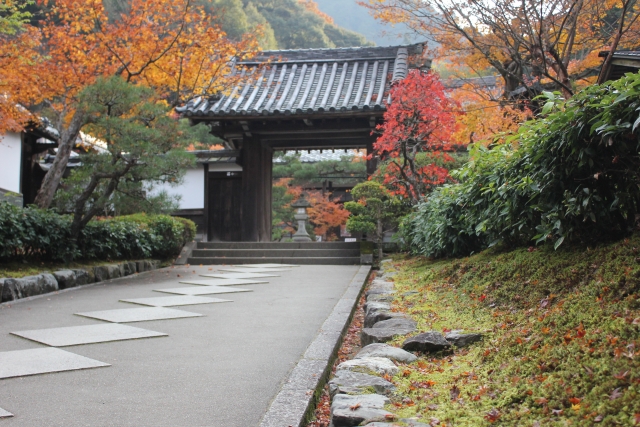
[416,136]
[172,46]
[485,118]
[325,212]
[533,45]
[18,52]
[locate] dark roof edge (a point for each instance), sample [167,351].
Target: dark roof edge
[312,61]
[214,153]
[621,53]
[44,128]
[325,114]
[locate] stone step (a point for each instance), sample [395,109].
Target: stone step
[275,253]
[275,260]
[278,245]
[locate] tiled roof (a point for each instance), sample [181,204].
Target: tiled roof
[311,81]
[627,54]
[631,54]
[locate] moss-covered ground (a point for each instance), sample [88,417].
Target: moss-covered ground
[17,269]
[561,337]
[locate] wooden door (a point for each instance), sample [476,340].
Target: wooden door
[225,207]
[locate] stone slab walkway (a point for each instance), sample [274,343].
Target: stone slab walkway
[224,369]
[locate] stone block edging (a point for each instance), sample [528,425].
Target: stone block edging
[16,289]
[295,402]
[185,253]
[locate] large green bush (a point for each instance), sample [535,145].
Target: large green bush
[44,235]
[571,175]
[34,233]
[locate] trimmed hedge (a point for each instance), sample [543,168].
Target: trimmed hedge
[44,235]
[573,176]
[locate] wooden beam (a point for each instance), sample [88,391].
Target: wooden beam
[297,132]
[316,144]
[206,236]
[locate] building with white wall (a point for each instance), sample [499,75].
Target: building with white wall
[20,175]
[200,189]
[10,162]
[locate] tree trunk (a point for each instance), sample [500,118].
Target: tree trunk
[604,71]
[380,235]
[52,179]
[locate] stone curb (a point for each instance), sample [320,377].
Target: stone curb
[30,287]
[185,253]
[295,402]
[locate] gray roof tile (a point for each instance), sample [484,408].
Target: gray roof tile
[311,81]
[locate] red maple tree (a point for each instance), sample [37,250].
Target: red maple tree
[325,214]
[416,136]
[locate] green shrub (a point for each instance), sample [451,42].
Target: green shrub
[167,234]
[44,235]
[108,239]
[573,176]
[34,233]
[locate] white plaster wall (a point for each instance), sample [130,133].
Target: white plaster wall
[10,160]
[191,190]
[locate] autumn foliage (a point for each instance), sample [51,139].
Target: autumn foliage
[416,135]
[485,118]
[171,46]
[325,214]
[532,45]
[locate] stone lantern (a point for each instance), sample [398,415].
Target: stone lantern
[301,206]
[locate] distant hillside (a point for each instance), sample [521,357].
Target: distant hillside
[287,24]
[349,14]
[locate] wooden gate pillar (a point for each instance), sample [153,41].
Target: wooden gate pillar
[372,164]
[256,190]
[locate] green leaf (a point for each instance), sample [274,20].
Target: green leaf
[558,242]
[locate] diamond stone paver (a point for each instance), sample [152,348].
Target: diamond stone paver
[239,275]
[36,361]
[174,301]
[194,377]
[5,414]
[142,314]
[203,290]
[265,265]
[253,270]
[209,281]
[88,334]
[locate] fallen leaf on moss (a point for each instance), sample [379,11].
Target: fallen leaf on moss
[454,392]
[493,415]
[615,394]
[621,375]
